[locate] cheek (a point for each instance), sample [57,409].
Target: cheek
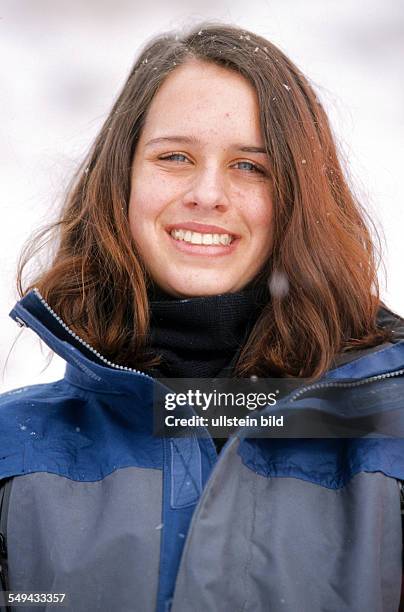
[149,197]
[144,207]
[261,227]
[258,212]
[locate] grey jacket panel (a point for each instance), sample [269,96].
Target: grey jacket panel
[260,544]
[98,542]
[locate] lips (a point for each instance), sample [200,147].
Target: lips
[201,228]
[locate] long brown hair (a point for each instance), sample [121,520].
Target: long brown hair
[322,271]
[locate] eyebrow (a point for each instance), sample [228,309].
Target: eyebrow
[192,140]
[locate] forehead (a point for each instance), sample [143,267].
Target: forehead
[204,98]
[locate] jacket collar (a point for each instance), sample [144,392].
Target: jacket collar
[85,367]
[88,369]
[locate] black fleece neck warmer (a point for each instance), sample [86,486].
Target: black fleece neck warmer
[202,336]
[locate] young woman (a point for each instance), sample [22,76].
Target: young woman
[209,233]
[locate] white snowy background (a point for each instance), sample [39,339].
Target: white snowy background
[62,64]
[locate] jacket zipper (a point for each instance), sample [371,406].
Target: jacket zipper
[314,386]
[356,383]
[301,391]
[22,323]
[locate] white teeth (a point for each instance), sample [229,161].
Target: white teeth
[198,238]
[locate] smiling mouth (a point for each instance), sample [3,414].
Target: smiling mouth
[200,238]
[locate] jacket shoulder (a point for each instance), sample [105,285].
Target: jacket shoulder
[28,416]
[72,432]
[46,393]
[22,407]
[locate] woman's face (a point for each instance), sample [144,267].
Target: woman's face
[200,207]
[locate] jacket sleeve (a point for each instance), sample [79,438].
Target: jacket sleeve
[401,484]
[5,486]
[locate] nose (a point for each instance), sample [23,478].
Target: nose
[208,190]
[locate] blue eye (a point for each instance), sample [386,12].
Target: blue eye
[247,166]
[250,167]
[174,157]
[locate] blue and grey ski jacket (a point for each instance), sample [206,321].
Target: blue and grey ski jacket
[94,506]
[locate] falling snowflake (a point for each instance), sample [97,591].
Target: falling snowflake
[278,284]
